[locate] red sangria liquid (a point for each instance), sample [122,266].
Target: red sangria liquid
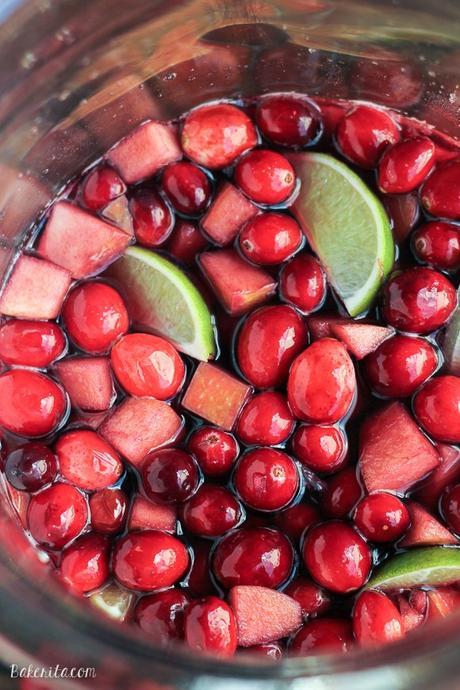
[230,387]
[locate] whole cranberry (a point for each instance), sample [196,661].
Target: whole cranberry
[313,599]
[57,515]
[108,509]
[337,557]
[187,187]
[288,120]
[265,176]
[153,220]
[404,166]
[295,520]
[101,186]
[404,212]
[438,244]
[376,620]
[450,507]
[31,343]
[85,563]
[31,467]
[266,479]
[382,517]
[437,408]
[170,475]
[199,580]
[320,448]
[210,626]
[418,300]
[95,316]
[186,241]
[269,340]
[440,194]
[342,493]
[215,450]
[270,238]
[87,461]
[149,560]
[253,556]
[266,420]
[161,615]
[324,636]
[364,134]
[302,283]
[211,512]
[400,365]
[271,650]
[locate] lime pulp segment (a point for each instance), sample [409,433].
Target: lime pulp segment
[429,566]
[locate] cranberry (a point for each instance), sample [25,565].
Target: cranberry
[400,365]
[31,467]
[313,599]
[210,626]
[406,165]
[295,520]
[441,192]
[215,135]
[161,615]
[95,316]
[31,343]
[147,365]
[322,382]
[187,188]
[320,448]
[31,404]
[450,506]
[325,635]
[404,212]
[272,650]
[268,341]
[253,556]
[108,509]
[87,461]
[211,512]
[376,620]
[270,238]
[149,560]
[153,220]
[288,120]
[266,420]
[216,450]
[418,300]
[57,515]
[101,186]
[382,517]
[199,580]
[438,244]
[303,283]
[265,176]
[342,493]
[364,133]
[186,241]
[437,408]
[170,475]
[266,479]
[85,563]
[337,557]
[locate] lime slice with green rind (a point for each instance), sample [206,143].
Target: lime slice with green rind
[429,566]
[163,300]
[346,226]
[451,344]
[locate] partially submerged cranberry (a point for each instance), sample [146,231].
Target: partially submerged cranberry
[170,475]
[152,218]
[364,134]
[288,120]
[438,244]
[31,467]
[214,449]
[266,479]
[57,515]
[101,186]
[161,615]
[210,626]
[265,176]
[187,188]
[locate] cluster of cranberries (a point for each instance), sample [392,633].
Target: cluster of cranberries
[274,502]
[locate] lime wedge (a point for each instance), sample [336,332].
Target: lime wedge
[451,344]
[163,300]
[346,226]
[431,565]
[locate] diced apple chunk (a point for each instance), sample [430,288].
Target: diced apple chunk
[425,530]
[361,338]
[147,515]
[117,212]
[227,213]
[88,382]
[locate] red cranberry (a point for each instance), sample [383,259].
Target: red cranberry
[271,650]
[149,560]
[303,283]
[320,448]
[438,244]
[288,120]
[153,220]
[325,635]
[441,192]
[268,341]
[313,599]
[253,556]
[210,626]
[187,188]
[376,620]
[161,615]
[406,165]
[266,479]
[215,450]
[199,580]
[31,404]
[382,517]
[57,515]
[108,510]
[87,461]
[170,475]
[31,467]
[364,133]
[31,343]
[85,563]
[337,557]
[450,506]
[404,212]
[295,520]
[186,241]
[418,300]
[265,176]
[211,512]
[101,186]
[266,420]
[437,408]
[215,135]
[400,365]
[270,238]
[342,493]
[95,316]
